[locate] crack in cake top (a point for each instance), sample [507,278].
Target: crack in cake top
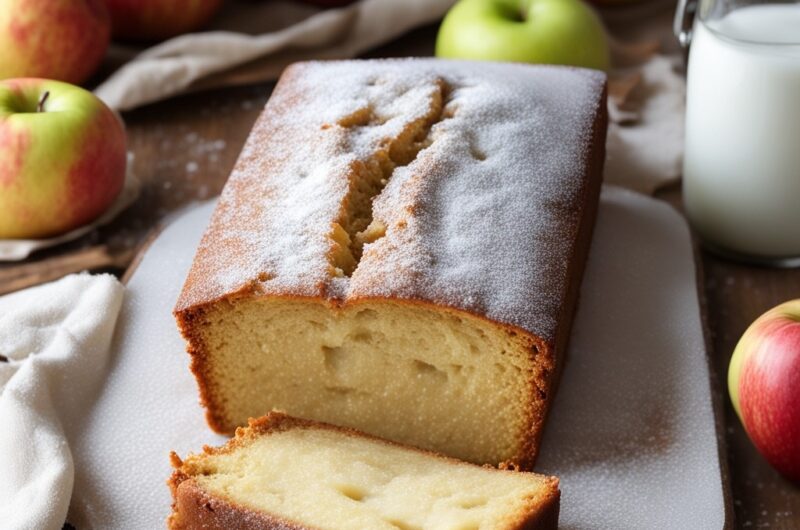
[456,183]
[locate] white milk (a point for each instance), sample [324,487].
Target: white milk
[742,164]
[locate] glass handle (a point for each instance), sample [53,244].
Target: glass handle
[684,20]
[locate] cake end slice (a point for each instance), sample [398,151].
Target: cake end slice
[282,472]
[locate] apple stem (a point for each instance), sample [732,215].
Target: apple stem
[40,106]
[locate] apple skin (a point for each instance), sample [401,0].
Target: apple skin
[153,20]
[59,168]
[528,31]
[764,385]
[56,39]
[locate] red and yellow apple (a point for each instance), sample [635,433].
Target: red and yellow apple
[62,157]
[529,31]
[57,39]
[764,385]
[150,20]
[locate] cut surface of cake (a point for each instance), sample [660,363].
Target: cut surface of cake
[287,473]
[399,249]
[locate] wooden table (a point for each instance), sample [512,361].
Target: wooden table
[735,295]
[184,149]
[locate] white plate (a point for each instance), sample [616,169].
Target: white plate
[631,435]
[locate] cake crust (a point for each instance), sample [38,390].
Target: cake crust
[514,255]
[193,508]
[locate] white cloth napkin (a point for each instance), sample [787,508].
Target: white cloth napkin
[644,150]
[54,342]
[645,137]
[248,32]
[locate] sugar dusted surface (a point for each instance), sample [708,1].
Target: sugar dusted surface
[483,219]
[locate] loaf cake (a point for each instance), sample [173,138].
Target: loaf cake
[399,250]
[286,473]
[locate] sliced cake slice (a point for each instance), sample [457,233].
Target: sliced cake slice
[287,473]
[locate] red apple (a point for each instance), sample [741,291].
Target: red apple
[57,39]
[149,20]
[62,157]
[764,384]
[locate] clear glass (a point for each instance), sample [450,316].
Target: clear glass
[741,174]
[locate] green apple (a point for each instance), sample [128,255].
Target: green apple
[62,157]
[529,31]
[57,39]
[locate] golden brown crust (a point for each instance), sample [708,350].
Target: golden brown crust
[194,508]
[549,385]
[546,517]
[546,345]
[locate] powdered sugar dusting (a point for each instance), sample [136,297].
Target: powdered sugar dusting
[484,218]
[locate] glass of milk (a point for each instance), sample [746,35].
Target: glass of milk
[741,173]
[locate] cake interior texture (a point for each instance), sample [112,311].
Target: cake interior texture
[408,372]
[310,476]
[399,249]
